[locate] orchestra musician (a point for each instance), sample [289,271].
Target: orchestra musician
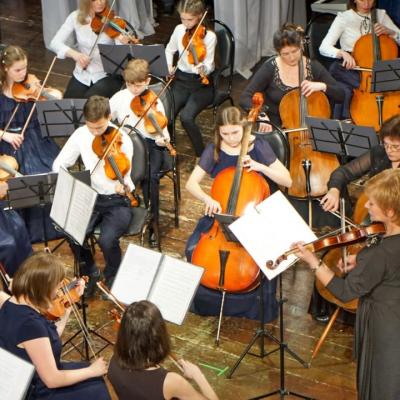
[137,80]
[26,333]
[191,94]
[374,279]
[142,344]
[215,158]
[112,211]
[89,77]
[348,27]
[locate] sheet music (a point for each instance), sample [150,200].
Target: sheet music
[59,208]
[15,376]
[174,288]
[136,274]
[269,230]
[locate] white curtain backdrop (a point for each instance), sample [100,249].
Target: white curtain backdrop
[253,23]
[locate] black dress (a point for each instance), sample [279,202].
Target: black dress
[376,281]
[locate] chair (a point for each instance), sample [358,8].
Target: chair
[170,168]
[224,59]
[279,144]
[316,30]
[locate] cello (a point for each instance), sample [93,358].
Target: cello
[366,108]
[234,188]
[293,109]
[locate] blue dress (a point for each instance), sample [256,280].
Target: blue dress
[20,323]
[35,156]
[207,301]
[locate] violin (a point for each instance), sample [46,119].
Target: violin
[331,242]
[116,164]
[30,90]
[193,40]
[112,26]
[67,296]
[145,106]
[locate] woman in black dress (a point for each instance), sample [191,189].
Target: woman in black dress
[374,278]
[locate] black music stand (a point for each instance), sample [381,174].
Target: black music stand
[386,76]
[340,138]
[60,118]
[115,58]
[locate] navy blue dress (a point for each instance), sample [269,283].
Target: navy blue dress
[35,156]
[20,323]
[207,301]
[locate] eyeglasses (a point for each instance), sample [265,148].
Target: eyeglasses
[389,146]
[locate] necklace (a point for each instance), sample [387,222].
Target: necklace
[365,25]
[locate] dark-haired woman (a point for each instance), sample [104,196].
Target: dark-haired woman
[26,333]
[142,344]
[280,74]
[347,28]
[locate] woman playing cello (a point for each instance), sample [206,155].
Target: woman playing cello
[219,156]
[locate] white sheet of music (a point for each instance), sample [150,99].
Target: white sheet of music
[136,274]
[167,282]
[59,207]
[174,288]
[15,376]
[270,229]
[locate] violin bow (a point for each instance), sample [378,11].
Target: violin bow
[37,97]
[9,121]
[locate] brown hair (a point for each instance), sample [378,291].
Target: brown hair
[8,57]
[96,108]
[143,339]
[192,7]
[136,71]
[391,128]
[84,11]
[352,4]
[288,35]
[36,279]
[385,190]
[227,116]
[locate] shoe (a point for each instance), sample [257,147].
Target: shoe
[153,241]
[324,318]
[91,286]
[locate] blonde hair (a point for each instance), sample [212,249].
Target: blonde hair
[84,11]
[37,278]
[136,71]
[8,57]
[385,190]
[192,7]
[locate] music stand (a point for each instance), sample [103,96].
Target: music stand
[386,76]
[115,58]
[60,118]
[340,138]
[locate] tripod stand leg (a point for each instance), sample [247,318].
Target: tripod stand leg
[324,335]
[220,317]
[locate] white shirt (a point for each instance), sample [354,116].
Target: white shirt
[80,144]
[347,26]
[120,105]
[85,39]
[175,45]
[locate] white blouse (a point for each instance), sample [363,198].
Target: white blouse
[80,144]
[348,26]
[84,41]
[175,45]
[120,105]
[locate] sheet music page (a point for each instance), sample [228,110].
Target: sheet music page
[174,288]
[136,274]
[62,197]
[15,376]
[269,230]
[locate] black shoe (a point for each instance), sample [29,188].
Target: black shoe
[91,286]
[324,318]
[153,241]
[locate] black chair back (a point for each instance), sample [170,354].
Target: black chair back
[140,158]
[316,30]
[278,142]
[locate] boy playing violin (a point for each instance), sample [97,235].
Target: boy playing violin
[132,102]
[112,209]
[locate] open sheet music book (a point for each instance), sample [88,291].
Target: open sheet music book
[269,229]
[15,376]
[167,282]
[72,205]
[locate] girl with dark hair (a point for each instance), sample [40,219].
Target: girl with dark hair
[280,74]
[347,28]
[142,344]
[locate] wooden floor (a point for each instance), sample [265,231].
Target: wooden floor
[332,374]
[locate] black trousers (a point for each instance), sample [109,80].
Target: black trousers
[190,98]
[104,87]
[113,215]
